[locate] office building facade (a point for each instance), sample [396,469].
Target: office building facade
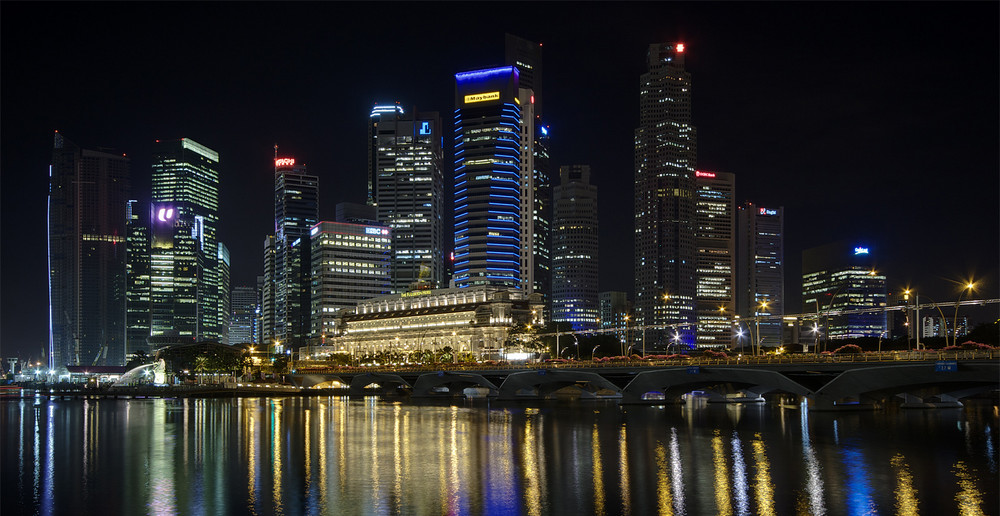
[760,273]
[842,285]
[488,225]
[296,211]
[243,313]
[715,214]
[350,263]
[137,290]
[88,195]
[185,276]
[467,321]
[665,243]
[408,193]
[575,249]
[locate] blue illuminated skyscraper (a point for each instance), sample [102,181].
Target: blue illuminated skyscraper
[487,178]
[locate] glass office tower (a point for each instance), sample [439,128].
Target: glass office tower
[487,178]
[88,195]
[184,257]
[665,246]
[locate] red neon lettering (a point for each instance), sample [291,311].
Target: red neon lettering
[699,173]
[284,162]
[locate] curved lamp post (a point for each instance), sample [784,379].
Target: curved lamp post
[970,286]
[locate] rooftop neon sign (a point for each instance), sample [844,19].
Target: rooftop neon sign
[699,173]
[860,250]
[765,211]
[284,162]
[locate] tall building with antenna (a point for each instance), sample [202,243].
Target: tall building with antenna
[296,211]
[665,247]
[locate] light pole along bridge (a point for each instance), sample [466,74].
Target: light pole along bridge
[921,379]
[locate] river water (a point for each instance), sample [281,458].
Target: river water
[332,455]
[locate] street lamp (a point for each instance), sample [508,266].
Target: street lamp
[763,306]
[970,286]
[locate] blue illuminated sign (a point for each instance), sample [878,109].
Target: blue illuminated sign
[376,231]
[860,250]
[425,128]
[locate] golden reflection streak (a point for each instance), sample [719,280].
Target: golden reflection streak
[453,478]
[623,471]
[407,451]
[969,498]
[442,471]
[595,444]
[276,470]
[722,502]
[341,423]
[764,490]
[906,495]
[308,455]
[322,456]
[532,494]
[252,454]
[665,499]
[373,446]
[397,462]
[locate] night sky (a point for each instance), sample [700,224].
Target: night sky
[871,122]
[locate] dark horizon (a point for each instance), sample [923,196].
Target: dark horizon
[871,123]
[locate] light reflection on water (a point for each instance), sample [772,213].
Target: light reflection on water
[335,455]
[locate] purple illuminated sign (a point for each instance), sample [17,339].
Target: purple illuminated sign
[164,214]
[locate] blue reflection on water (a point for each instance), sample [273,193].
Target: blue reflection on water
[858,481]
[740,478]
[990,456]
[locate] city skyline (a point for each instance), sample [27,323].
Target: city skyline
[849,155]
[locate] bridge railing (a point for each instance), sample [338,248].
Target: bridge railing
[315,366]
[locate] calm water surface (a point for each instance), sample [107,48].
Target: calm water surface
[338,456]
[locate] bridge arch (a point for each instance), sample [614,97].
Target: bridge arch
[446,384]
[384,380]
[891,380]
[543,383]
[317,381]
[670,384]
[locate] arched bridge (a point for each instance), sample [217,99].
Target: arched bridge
[824,384]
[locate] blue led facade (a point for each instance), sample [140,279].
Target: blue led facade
[487,178]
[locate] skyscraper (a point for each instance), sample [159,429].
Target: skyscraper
[88,193]
[574,249]
[224,304]
[184,257]
[536,187]
[296,211]
[761,272]
[716,272]
[842,277]
[487,179]
[541,215]
[243,310]
[350,263]
[409,193]
[137,288]
[665,247]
